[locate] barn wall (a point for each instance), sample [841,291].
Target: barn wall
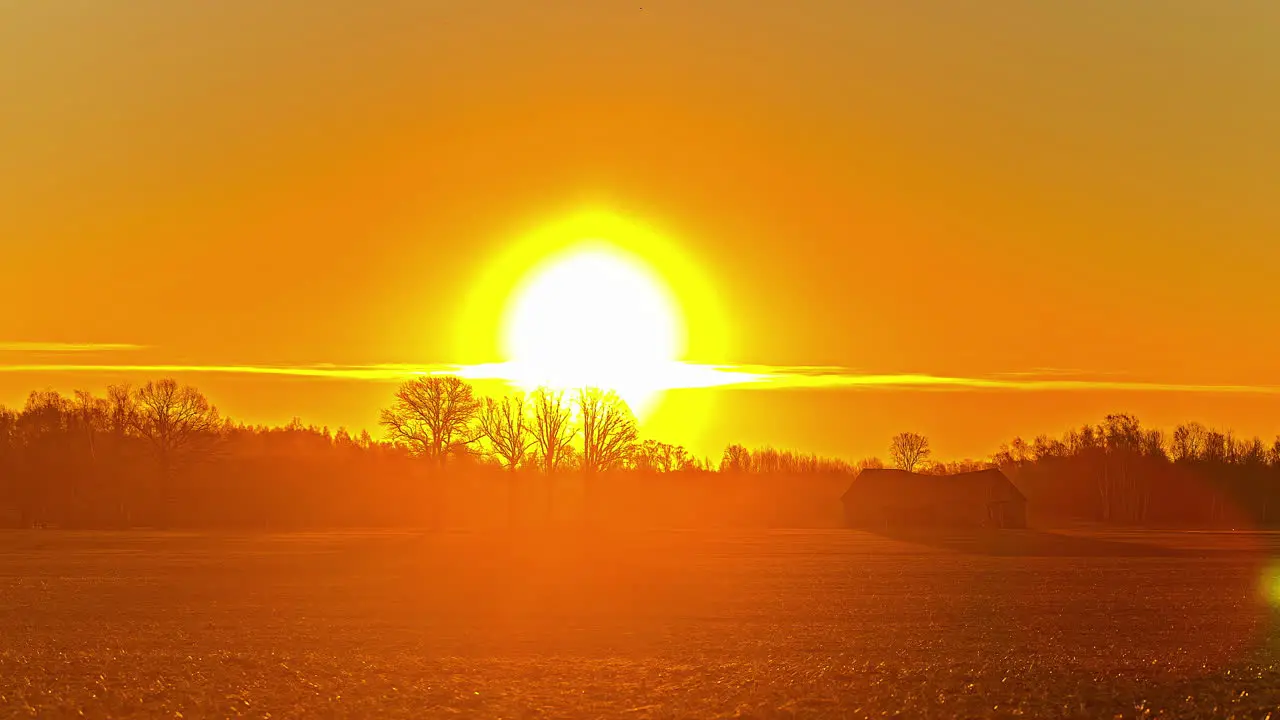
[1015,515]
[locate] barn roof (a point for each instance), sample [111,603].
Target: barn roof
[885,485]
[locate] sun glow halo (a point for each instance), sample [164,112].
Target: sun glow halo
[598,298]
[595,315]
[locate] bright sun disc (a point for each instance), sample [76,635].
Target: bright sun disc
[595,315]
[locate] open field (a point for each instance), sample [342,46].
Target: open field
[637,624]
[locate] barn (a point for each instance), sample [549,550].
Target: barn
[897,498]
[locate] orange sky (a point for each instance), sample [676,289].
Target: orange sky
[911,187]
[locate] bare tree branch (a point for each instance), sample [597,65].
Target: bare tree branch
[506,424]
[553,429]
[908,450]
[608,429]
[177,420]
[433,415]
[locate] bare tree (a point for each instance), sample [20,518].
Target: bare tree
[1045,448]
[1019,449]
[507,426]
[736,459]
[651,456]
[90,415]
[1188,442]
[871,463]
[121,410]
[553,429]
[174,419]
[570,459]
[433,416]
[608,429]
[1154,444]
[178,422]
[908,450]
[654,456]
[682,460]
[1253,453]
[1121,491]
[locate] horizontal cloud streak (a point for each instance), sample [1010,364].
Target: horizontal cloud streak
[1053,372]
[354,372]
[57,347]
[804,378]
[681,376]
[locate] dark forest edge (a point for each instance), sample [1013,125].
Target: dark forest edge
[161,455]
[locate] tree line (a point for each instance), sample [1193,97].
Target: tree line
[1119,471]
[161,454]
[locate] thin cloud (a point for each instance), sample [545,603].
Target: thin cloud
[1056,372]
[680,376]
[353,372]
[805,378]
[57,347]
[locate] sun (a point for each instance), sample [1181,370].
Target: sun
[597,297]
[595,315]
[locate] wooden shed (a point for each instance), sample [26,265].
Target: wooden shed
[897,498]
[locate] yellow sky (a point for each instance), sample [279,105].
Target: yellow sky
[904,188]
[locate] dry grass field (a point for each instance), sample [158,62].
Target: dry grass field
[658,624]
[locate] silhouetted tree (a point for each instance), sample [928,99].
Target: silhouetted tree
[1045,448]
[179,424]
[432,415]
[955,467]
[771,461]
[506,424]
[48,456]
[1124,492]
[651,456]
[654,456]
[1188,442]
[174,419]
[343,440]
[90,417]
[88,461]
[608,429]
[768,461]
[1017,453]
[10,453]
[1119,471]
[553,430]
[871,463]
[736,459]
[908,450]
